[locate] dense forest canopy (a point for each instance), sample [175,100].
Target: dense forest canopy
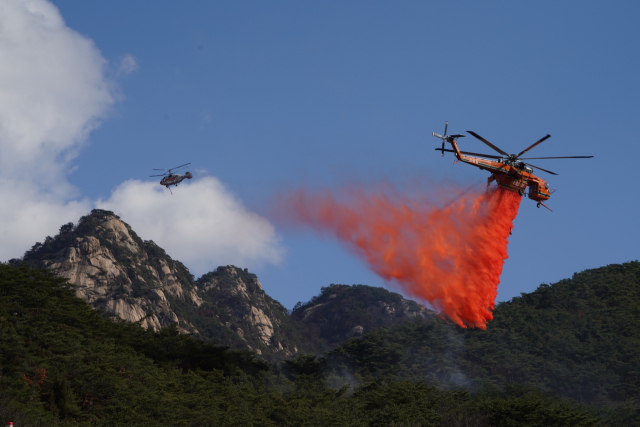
[577,338]
[63,364]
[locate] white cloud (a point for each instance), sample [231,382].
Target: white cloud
[28,215]
[54,91]
[128,65]
[201,224]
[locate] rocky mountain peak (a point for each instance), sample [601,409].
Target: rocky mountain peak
[114,270]
[246,307]
[341,312]
[126,277]
[233,279]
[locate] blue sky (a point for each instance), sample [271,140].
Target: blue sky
[265,96]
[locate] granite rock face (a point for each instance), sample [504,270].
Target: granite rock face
[115,271]
[245,307]
[128,278]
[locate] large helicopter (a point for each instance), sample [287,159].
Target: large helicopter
[509,171]
[173,179]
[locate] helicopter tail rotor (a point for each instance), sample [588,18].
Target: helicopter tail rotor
[446,125]
[445,138]
[443,141]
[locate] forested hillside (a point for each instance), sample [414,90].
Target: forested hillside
[340,312]
[62,363]
[577,338]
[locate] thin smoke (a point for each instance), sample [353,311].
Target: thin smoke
[451,256]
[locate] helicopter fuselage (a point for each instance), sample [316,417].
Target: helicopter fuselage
[512,176]
[511,172]
[175,179]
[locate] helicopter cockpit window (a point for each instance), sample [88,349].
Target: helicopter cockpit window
[546,186]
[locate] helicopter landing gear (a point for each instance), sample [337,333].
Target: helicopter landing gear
[538,205]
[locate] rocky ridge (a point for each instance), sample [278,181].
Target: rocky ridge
[341,312]
[235,298]
[117,272]
[128,278]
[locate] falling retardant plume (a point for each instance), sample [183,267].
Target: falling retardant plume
[450,256]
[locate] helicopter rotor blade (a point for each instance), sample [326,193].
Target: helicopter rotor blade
[446,125]
[567,157]
[181,166]
[539,141]
[164,174]
[437,136]
[538,167]
[488,156]
[488,143]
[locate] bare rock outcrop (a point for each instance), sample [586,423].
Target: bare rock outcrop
[127,278]
[244,306]
[115,271]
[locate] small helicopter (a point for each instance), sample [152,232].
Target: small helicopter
[508,170]
[171,179]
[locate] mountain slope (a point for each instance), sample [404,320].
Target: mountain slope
[234,298]
[62,364]
[340,312]
[60,360]
[116,272]
[128,278]
[125,277]
[577,338]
